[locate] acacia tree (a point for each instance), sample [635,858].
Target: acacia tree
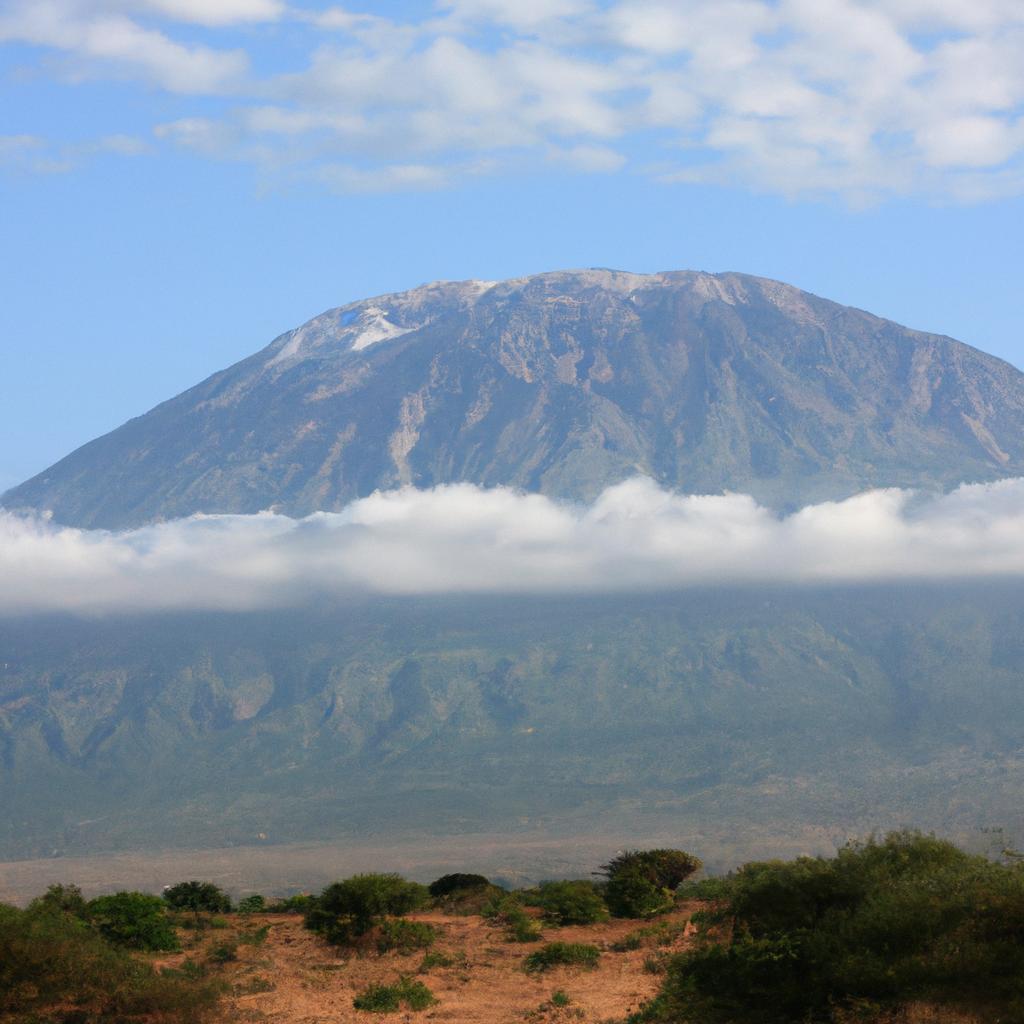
[643,882]
[199,897]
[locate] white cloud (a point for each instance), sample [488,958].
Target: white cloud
[104,40]
[29,154]
[520,14]
[212,12]
[463,539]
[391,178]
[857,97]
[593,159]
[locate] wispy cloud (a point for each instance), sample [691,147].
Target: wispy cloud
[30,154]
[856,97]
[464,539]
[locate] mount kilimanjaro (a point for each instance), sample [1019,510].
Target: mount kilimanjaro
[729,717]
[561,383]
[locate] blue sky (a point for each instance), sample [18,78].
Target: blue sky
[182,180]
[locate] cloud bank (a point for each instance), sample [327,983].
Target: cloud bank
[461,539]
[857,97]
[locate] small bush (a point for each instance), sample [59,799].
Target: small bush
[662,934]
[253,904]
[198,897]
[571,902]
[346,910]
[254,986]
[413,995]
[188,968]
[707,890]
[458,882]
[657,963]
[405,936]
[559,954]
[507,909]
[435,958]
[522,928]
[300,903]
[499,905]
[135,920]
[223,953]
[256,937]
[560,998]
[67,899]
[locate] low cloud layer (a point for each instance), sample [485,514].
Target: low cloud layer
[464,539]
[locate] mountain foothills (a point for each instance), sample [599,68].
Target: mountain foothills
[732,719]
[560,383]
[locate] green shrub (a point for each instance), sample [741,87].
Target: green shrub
[413,995]
[662,934]
[707,890]
[571,902]
[470,900]
[496,908]
[346,910]
[435,958]
[656,963]
[67,899]
[300,903]
[133,919]
[643,882]
[405,936]
[55,967]
[560,998]
[188,968]
[558,954]
[908,918]
[253,904]
[223,953]
[254,986]
[198,897]
[256,937]
[520,927]
[458,882]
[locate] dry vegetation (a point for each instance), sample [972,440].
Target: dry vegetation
[293,977]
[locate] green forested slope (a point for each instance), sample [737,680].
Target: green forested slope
[760,710]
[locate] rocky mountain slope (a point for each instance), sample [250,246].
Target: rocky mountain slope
[561,383]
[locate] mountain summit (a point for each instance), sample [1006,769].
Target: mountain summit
[562,383]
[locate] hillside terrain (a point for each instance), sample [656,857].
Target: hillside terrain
[562,383]
[740,716]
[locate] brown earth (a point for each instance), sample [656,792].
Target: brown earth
[310,982]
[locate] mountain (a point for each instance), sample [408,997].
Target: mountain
[560,383]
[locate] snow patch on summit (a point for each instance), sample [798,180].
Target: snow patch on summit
[373,326]
[358,328]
